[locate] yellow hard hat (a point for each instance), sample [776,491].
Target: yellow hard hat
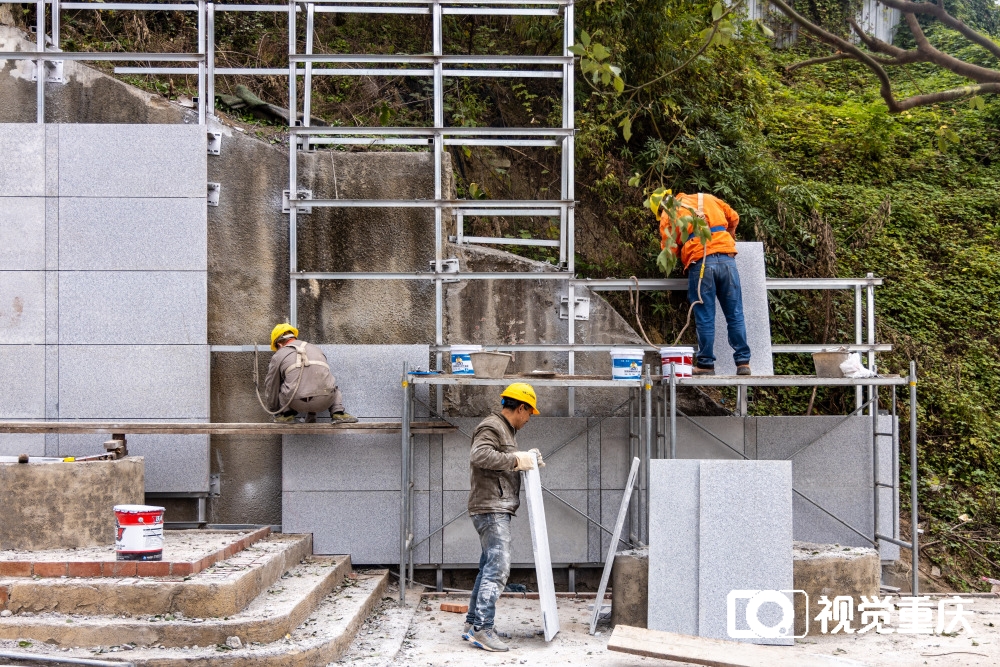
[279,331]
[523,392]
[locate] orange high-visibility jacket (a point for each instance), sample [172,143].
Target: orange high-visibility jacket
[721,218]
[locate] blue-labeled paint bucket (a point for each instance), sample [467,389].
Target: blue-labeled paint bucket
[461,359]
[626,363]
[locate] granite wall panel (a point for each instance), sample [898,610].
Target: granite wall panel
[22,228]
[14,444]
[115,234]
[134,161]
[694,443]
[22,307]
[369,378]
[753,277]
[173,463]
[133,382]
[22,170]
[349,462]
[22,392]
[141,307]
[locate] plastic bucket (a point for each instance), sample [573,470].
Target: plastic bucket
[681,357]
[461,361]
[626,364]
[138,532]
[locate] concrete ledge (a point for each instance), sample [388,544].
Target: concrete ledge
[122,569]
[223,591]
[832,570]
[274,613]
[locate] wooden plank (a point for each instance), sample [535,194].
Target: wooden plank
[712,652]
[622,511]
[134,428]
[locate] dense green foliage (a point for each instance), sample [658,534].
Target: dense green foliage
[819,171]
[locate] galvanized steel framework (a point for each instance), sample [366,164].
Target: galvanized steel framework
[438,65]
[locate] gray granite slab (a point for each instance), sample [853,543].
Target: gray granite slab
[532,485]
[369,377]
[22,170]
[461,542]
[888,517]
[745,541]
[694,443]
[22,392]
[609,508]
[173,463]
[753,279]
[51,233]
[614,453]
[133,161]
[52,383]
[364,524]
[349,462]
[114,234]
[14,444]
[134,382]
[567,467]
[52,159]
[137,307]
[812,524]
[22,307]
[455,454]
[22,228]
[52,307]
[674,528]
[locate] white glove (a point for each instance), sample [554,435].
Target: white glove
[524,461]
[538,454]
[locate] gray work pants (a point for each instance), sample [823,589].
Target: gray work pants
[333,402]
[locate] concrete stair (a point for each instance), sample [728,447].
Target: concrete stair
[221,590]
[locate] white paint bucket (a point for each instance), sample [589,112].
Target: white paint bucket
[138,532]
[626,363]
[461,359]
[682,358]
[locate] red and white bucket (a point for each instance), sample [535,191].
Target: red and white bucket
[681,357]
[138,532]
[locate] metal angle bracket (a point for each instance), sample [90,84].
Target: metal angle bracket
[214,485]
[214,190]
[286,206]
[214,143]
[53,72]
[449,265]
[581,308]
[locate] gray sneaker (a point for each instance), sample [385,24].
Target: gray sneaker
[342,418]
[487,640]
[467,631]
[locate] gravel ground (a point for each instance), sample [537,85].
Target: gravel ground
[178,545]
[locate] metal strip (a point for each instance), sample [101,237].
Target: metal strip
[432,131]
[489,240]
[103,56]
[425,203]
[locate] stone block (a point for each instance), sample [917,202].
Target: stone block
[674,529]
[22,392]
[369,377]
[22,228]
[364,524]
[134,382]
[821,569]
[630,583]
[109,234]
[753,277]
[174,463]
[133,161]
[349,462]
[22,307]
[22,171]
[745,540]
[694,443]
[64,505]
[13,444]
[134,307]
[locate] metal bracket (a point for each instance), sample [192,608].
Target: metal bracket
[214,485]
[214,190]
[286,206]
[215,143]
[449,265]
[53,72]
[581,308]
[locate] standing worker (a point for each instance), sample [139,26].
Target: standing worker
[711,274]
[299,380]
[495,464]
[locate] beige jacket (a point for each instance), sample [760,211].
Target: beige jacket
[495,485]
[286,367]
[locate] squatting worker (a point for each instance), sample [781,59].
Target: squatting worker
[495,465]
[720,279]
[299,380]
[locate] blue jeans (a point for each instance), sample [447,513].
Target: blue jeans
[494,567]
[721,281]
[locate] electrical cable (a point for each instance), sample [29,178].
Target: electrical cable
[256,384]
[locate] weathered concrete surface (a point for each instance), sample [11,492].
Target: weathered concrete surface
[630,588]
[831,570]
[57,505]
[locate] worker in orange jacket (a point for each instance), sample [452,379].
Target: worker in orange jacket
[720,278]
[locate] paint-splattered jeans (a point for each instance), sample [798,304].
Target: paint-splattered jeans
[494,567]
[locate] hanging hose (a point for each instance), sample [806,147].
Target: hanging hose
[701,276]
[633,301]
[256,385]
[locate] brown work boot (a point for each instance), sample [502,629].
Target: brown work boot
[699,370]
[743,369]
[310,418]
